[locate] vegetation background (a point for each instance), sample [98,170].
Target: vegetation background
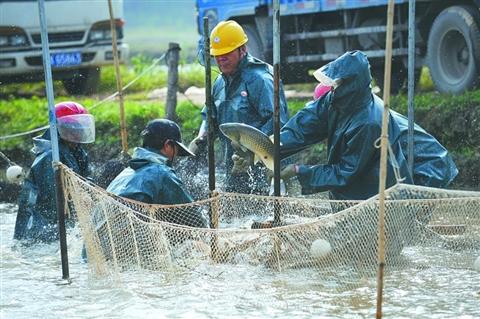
[152,24]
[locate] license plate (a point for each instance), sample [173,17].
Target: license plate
[65,59]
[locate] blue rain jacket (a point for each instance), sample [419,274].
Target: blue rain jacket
[37,213]
[150,179]
[432,164]
[350,117]
[245,97]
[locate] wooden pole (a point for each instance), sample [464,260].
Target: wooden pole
[54,141]
[123,125]
[172,88]
[383,159]
[276,108]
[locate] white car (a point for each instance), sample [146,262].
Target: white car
[79,41]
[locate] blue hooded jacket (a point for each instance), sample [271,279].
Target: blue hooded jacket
[150,179]
[246,97]
[432,164]
[350,118]
[37,212]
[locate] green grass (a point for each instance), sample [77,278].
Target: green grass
[453,120]
[157,76]
[23,114]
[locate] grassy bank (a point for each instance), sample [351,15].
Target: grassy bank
[452,119]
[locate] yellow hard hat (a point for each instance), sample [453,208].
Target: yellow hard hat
[226,37]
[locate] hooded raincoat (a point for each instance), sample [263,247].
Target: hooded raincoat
[245,97]
[150,179]
[37,212]
[350,118]
[432,164]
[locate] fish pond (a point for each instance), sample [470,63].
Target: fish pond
[31,287]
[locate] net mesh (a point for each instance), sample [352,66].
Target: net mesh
[322,235]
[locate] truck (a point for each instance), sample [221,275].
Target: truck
[79,37]
[314,32]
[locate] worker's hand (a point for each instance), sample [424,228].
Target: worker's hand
[289,171]
[198,144]
[242,162]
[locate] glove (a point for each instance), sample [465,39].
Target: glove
[242,159]
[197,145]
[242,162]
[289,171]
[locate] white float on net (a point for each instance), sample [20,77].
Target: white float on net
[14,174]
[320,248]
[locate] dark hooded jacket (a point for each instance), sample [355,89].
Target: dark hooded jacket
[432,164]
[37,213]
[350,118]
[150,179]
[246,97]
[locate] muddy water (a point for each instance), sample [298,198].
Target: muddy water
[31,288]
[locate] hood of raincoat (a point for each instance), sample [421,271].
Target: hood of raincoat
[149,179]
[352,73]
[248,61]
[73,155]
[145,155]
[41,143]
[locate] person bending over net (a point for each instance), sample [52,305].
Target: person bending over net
[149,177]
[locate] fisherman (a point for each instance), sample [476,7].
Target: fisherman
[149,177]
[37,213]
[350,117]
[432,165]
[242,93]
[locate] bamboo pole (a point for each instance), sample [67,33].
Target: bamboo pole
[383,159]
[276,108]
[123,125]
[54,141]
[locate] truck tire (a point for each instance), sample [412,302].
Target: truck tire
[83,82]
[254,44]
[453,49]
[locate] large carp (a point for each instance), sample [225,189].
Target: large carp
[249,138]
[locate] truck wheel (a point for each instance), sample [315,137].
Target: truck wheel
[254,44]
[83,82]
[453,49]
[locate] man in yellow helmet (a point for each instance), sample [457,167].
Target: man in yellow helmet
[242,93]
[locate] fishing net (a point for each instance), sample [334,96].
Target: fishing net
[327,237]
